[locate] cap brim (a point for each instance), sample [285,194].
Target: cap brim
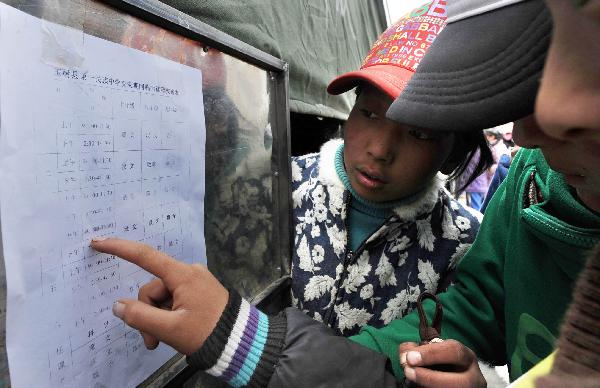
[389,79]
[480,72]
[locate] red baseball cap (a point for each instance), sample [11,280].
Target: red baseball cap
[394,57]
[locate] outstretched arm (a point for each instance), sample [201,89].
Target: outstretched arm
[187,308]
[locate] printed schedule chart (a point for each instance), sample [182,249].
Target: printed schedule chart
[91,146]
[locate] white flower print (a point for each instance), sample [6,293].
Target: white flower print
[367,292]
[338,270]
[463,223]
[337,238]
[394,307]
[449,230]
[305,221]
[315,231]
[344,213]
[398,305]
[428,276]
[318,255]
[309,162]
[461,250]
[320,213]
[402,259]
[300,193]
[385,271]
[349,317]
[296,172]
[299,231]
[308,217]
[318,195]
[425,234]
[336,199]
[317,286]
[357,273]
[317,317]
[400,244]
[454,205]
[304,255]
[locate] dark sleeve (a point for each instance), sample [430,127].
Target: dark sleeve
[313,356]
[250,348]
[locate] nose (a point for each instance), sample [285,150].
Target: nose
[382,147]
[527,133]
[570,117]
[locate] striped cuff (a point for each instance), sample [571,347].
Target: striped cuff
[244,347]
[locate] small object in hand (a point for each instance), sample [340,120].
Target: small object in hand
[430,334]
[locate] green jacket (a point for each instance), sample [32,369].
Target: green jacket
[514,284]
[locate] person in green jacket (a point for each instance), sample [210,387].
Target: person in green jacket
[513,286]
[515,283]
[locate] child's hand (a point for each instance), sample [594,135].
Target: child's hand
[180,308]
[444,364]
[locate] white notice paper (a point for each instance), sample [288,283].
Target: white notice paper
[96,139]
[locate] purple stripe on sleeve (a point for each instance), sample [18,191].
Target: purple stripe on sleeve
[242,349]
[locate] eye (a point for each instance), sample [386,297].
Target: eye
[368,114]
[420,134]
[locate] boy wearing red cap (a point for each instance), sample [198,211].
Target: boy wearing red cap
[374,226]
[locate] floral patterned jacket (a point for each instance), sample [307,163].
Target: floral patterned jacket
[415,250]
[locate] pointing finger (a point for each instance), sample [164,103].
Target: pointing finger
[153,261]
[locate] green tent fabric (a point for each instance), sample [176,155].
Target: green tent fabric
[320,39]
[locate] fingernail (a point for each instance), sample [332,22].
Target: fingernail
[410,374]
[118,309]
[97,239]
[403,359]
[413,358]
